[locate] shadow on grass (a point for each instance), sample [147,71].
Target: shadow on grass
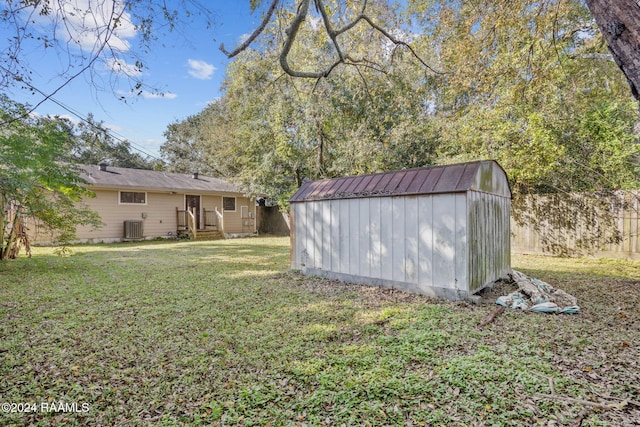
[593,268]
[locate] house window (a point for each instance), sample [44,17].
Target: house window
[229,203]
[133,197]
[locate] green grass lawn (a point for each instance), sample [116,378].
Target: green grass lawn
[221,333]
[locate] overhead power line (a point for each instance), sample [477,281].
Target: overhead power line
[83,118]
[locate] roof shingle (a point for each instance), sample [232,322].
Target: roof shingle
[140,179]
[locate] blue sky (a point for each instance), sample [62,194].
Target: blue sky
[187,68]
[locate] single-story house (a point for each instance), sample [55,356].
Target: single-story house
[145,204]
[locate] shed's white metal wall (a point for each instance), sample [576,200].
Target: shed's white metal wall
[417,243]
[489,238]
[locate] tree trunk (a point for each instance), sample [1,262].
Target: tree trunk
[8,250]
[3,224]
[619,21]
[320,158]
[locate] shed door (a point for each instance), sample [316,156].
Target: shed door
[191,202]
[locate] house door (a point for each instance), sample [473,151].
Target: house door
[193,202]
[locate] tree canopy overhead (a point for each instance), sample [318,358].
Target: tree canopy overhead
[337,22]
[274,130]
[618,20]
[530,85]
[85,33]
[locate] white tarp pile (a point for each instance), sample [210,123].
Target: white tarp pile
[536,295]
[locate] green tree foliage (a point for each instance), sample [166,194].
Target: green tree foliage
[273,131]
[91,143]
[530,84]
[186,142]
[527,83]
[32,184]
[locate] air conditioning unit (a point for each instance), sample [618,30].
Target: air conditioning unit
[133,229]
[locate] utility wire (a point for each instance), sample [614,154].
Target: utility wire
[110,132]
[83,118]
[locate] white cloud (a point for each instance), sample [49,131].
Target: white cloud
[91,23]
[112,127]
[200,69]
[153,95]
[133,95]
[120,66]
[72,119]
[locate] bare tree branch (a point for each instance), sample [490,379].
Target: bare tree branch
[108,33]
[398,42]
[342,57]
[353,23]
[253,35]
[292,32]
[333,34]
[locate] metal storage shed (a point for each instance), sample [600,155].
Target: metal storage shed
[440,231]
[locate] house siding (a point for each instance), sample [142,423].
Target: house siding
[165,194]
[160,211]
[233,221]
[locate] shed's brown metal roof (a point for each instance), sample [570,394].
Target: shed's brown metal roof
[428,180]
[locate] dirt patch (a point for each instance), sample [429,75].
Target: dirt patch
[371,296]
[500,288]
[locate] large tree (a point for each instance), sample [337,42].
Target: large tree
[95,32]
[532,88]
[619,21]
[91,143]
[33,185]
[273,131]
[527,87]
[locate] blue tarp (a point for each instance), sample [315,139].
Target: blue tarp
[539,296]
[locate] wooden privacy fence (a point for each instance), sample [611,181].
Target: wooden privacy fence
[597,224]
